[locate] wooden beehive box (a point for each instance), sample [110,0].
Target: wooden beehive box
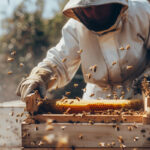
[86,132]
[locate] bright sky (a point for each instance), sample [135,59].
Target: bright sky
[7,7]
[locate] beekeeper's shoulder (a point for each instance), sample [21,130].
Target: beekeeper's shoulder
[139,16]
[139,7]
[72,25]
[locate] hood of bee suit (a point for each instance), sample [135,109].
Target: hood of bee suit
[72,4]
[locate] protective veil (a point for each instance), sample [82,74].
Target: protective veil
[119,53]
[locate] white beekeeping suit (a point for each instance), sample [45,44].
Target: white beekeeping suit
[119,53]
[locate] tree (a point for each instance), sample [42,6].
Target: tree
[26,42]
[28,37]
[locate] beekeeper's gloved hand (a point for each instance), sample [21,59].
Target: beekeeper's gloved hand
[39,79]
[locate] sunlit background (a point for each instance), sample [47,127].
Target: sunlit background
[7,8]
[28,28]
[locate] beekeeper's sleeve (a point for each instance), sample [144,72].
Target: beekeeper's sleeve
[63,59]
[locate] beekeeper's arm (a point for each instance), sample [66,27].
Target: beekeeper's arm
[59,66]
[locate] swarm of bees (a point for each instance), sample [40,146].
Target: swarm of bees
[64,140]
[125,48]
[11,59]
[146,87]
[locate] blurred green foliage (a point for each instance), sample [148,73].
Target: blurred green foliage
[27,39]
[30,35]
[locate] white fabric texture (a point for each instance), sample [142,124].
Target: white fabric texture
[103,49]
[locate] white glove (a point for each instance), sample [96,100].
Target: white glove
[39,79]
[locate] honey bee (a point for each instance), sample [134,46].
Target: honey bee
[36,128]
[128,89]
[136,139]
[120,139]
[10,73]
[54,66]
[53,78]
[122,146]
[49,128]
[62,141]
[92,95]
[128,47]
[78,98]
[101,144]
[113,143]
[67,111]
[49,138]
[64,98]
[64,60]
[67,93]
[119,86]
[13,53]
[81,136]
[10,59]
[49,121]
[63,127]
[93,68]
[80,51]
[71,102]
[21,64]
[130,128]
[89,75]
[76,85]
[114,63]
[117,128]
[108,96]
[122,48]
[84,90]
[11,113]
[129,67]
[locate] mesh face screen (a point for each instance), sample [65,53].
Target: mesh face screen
[98,25]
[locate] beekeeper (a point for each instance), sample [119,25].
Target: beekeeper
[108,38]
